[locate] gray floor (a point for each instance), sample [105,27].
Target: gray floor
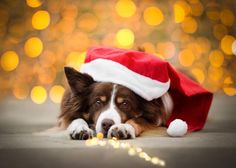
[215,146]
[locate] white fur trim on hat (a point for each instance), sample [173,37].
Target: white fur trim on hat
[103,70]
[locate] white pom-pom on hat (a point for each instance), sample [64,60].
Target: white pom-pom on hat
[177,128]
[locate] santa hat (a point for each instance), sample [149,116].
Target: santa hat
[150,78]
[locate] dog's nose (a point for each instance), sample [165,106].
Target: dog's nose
[106,124]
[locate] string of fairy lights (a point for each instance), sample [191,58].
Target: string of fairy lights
[131,149]
[38,38]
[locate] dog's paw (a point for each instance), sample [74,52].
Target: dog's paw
[121,131]
[81,133]
[79,130]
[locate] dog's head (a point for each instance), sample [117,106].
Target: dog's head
[104,104]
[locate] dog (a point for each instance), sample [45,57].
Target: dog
[90,107]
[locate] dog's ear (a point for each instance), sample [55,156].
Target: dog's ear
[77,81]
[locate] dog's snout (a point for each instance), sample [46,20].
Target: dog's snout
[106,124]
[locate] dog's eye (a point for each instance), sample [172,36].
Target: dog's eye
[125,104]
[98,101]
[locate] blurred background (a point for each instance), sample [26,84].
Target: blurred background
[39,37]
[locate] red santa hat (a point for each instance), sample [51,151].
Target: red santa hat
[150,78]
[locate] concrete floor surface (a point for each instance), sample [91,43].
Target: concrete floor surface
[215,146]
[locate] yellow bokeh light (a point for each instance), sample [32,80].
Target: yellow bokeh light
[125,38]
[56,93]
[213,15]
[166,49]
[189,25]
[34,3]
[125,8]
[215,74]
[196,48]
[20,91]
[216,58]
[75,59]
[219,31]
[38,94]
[204,44]
[186,57]
[40,20]
[149,47]
[153,16]
[227,17]
[230,91]
[228,80]
[226,44]
[197,9]
[9,60]
[33,47]
[185,6]
[179,13]
[234,47]
[198,74]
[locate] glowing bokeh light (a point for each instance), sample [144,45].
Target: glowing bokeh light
[216,58]
[38,94]
[153,16]
[149,47]
[197,9]
[166,49]
[230,91]
[213,15]
[9,60]
[226,44]
[179,13]
[227,17]
[132,150]
[198,74]
[189,25]
[125,8]
[234,47]
[33,47]
[215,74]
[204,44]
[41,20]
[186,57]
[34,3]
[196,48]
[21,92]
[219,31]
[75,59]
[125,38]
[184,5]
[56,93]
[228,80]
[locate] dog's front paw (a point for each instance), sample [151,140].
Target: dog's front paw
[81,133]
[121,131]
[79,130]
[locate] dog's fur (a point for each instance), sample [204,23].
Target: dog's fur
[88,105]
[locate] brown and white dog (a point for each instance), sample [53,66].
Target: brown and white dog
[89,107]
